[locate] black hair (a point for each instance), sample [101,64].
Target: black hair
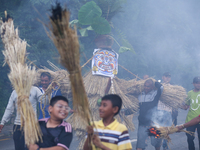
[43,74]
[115,100]
[58,98]
[150,81]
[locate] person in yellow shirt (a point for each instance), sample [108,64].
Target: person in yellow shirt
[108,133]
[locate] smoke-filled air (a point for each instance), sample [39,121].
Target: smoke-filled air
[106,74]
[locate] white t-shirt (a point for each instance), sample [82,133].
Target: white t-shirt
[34,97]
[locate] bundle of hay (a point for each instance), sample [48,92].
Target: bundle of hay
[95,85]
[173,95]
[127,85]
[135,87]
[67,44]
[163,132]
[21,77]
[60,78]
[130,103]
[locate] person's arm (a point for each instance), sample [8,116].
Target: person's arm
[39,95]
[86,146]
[159,91]
[186,105]
[124,142]
[192,122]
[9,110]
[159,87]
[97,142]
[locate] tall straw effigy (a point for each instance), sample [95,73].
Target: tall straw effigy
[21,76]
[93,87]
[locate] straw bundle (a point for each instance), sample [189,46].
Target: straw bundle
[130,104]
[21,77]
[173,95]
[127,121]
[59,77]
[66,41]
[135,87]
[12,44]
[126,84]
[95,85]
[163,132]
[76,121]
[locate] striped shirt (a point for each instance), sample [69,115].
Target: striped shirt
[114,136]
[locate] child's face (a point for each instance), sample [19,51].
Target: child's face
[106,109]
[60,110]
[197,85]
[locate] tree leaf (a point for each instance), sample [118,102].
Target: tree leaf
[101,25]
[89,28]
[123,49]
[125,43]
[73,22]
[88,12]
[83,32]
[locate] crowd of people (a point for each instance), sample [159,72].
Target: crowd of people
[107,133]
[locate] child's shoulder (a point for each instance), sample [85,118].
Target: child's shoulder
[66,125]
[43,120]
[122,126]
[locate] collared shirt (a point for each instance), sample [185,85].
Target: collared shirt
[45,105]
[149,97]
[148,104]
[34,97]
[58,136]
[114,136]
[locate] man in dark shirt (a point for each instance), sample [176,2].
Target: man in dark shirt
[148,101]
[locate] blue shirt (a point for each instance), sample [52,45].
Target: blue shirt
[55,92]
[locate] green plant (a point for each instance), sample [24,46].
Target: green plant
[96,16]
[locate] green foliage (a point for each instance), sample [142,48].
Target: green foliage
[110,7]
[84,31]
[88,12]
[123,49]
[40,2]
[100,25]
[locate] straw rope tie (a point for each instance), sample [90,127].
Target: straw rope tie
[23,97]
[74,72]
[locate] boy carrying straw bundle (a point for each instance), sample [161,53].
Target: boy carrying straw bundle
[57,134]
[108,127]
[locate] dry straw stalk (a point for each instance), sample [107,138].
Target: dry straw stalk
[21,77]
[66,41]
[166,131]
